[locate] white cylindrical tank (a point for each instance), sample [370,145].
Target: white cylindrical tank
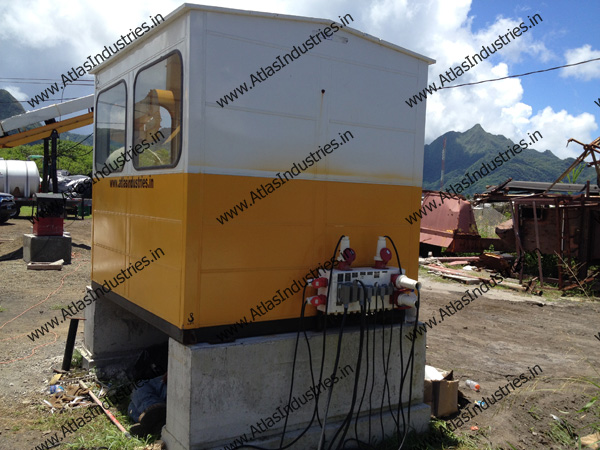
[19,178]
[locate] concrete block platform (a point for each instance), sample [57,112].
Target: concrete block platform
[113,336]
[222,395]
[46,248]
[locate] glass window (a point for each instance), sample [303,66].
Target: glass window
[157,114]
[109,132]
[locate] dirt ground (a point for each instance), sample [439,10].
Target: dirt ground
[493,340]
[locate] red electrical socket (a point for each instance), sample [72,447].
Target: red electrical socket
[349,256]
[319,282]
[385,255]
[317,300]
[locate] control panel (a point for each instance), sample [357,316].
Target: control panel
[381,287]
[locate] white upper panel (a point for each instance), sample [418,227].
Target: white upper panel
[282,119]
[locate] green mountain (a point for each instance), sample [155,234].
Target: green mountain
[466,152]
[9,106]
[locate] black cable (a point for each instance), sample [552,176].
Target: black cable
[323,348]
[76,145]
[312,378]
[412,365]
[384,374]
[294,367]
[375,288]
[358,366]
[348,419]
[388,367]
[386,363]
[410,361]
[400,409]
[281,447]
[373,365]
[335,364]
[521,74]
[315,410]
[396,251]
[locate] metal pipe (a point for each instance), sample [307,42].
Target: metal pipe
[54,138]
[66,364]
[537,245]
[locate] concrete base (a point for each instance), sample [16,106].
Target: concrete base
[220,393]
[113,337]
[46,248]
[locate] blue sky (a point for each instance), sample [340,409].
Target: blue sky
[42,39]
[564,27]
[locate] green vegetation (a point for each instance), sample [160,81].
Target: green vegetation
[77,159]
[563,432]
[438,438]
[76,359]
[574,174]
[549,264]
[100,431]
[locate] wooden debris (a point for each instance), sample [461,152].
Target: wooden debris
[454,274]
[449,259]
[56,265]
[466,280]
[513,286]
[493,261]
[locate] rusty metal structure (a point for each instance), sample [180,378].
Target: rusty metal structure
[556,218]
[452,224]
[548,218]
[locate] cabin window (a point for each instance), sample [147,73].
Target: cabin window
[110,129]
[157,113]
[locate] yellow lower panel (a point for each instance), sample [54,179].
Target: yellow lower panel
[215,274]
[141,223]
[276,240]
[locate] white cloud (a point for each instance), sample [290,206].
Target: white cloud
[583,72]
[16,92]
[558,127]
[443,31]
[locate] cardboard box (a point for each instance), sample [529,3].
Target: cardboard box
[442,395]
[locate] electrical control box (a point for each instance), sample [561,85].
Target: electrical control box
[358,285]
[352,288]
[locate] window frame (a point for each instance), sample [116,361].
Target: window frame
[112,86]
[180,149]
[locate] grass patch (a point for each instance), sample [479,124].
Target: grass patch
[76,359]
[439,437]
[57,307]
[97,432]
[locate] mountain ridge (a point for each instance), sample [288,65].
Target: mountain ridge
[467,151]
